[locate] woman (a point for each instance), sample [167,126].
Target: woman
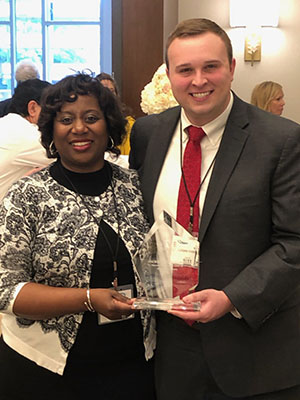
[268,96]
[67,237]
[109,82]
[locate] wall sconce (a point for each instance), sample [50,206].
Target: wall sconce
[252,50]
[253,14]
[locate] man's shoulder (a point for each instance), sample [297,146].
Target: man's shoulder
[170,114]
[272,123]
[12,118]
[18,127]
[250,115]
[12,124]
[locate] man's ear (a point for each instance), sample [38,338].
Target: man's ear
[33,109]
[167,72]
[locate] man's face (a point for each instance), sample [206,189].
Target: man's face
[200,76]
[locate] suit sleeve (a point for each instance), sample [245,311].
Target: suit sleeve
[270,283]
[133,162]
[139,139]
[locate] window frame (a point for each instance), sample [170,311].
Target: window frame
[105,32]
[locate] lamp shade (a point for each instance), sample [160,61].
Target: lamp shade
[254,13]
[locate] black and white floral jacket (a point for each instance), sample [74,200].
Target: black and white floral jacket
[47,236]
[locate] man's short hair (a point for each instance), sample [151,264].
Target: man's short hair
[26,91]
[198,26]
[26,69]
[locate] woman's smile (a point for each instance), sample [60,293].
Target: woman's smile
[80,134]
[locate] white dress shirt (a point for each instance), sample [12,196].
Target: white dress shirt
[20,150]
[167,189]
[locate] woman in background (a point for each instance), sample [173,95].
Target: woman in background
[109,82]
[67,237]
[268,96]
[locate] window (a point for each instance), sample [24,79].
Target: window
[59,36]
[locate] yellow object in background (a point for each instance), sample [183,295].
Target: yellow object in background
[125,146]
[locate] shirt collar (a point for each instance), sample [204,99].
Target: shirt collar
[214,129]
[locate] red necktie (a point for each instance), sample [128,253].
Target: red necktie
[188,197]
[188,208]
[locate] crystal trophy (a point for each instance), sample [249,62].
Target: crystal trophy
[167,265]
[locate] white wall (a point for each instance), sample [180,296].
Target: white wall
[280,49]
[170,17]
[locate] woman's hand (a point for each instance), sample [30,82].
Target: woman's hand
[111,303]
[36,301]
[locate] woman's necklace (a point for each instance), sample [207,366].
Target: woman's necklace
[114,254]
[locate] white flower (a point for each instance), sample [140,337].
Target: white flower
[157,95]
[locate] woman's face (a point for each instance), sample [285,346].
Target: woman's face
[80,135]
[277,104]
[109,84]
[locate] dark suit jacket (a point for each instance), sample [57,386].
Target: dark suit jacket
[250,243]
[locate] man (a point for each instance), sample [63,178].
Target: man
[245,341]
[26,69]
[20,147]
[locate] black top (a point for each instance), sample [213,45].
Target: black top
[97,345]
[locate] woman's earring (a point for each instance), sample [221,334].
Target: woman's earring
[110,145]
[52,149]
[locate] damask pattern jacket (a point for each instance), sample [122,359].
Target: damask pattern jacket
[48,236]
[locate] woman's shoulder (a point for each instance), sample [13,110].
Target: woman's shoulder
[123,172]
[37,177]
[126,177]
[38,182]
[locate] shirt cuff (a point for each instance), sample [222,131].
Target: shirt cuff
[236,314]
[9,309]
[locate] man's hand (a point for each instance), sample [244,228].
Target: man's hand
[214,304]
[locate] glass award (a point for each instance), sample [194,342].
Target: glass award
[167,265]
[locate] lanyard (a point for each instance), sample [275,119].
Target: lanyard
[114,254]
[192,202]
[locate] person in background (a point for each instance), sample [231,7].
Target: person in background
[244,343]
[109,82]
[67,237]
[268,96]
[20,147]
[26,69]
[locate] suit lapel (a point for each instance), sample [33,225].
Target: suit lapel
[156,153]
[232,143]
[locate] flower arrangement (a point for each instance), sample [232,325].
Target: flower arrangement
[157,95]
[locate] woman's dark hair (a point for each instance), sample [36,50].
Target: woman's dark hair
[68,90]
[26,91]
